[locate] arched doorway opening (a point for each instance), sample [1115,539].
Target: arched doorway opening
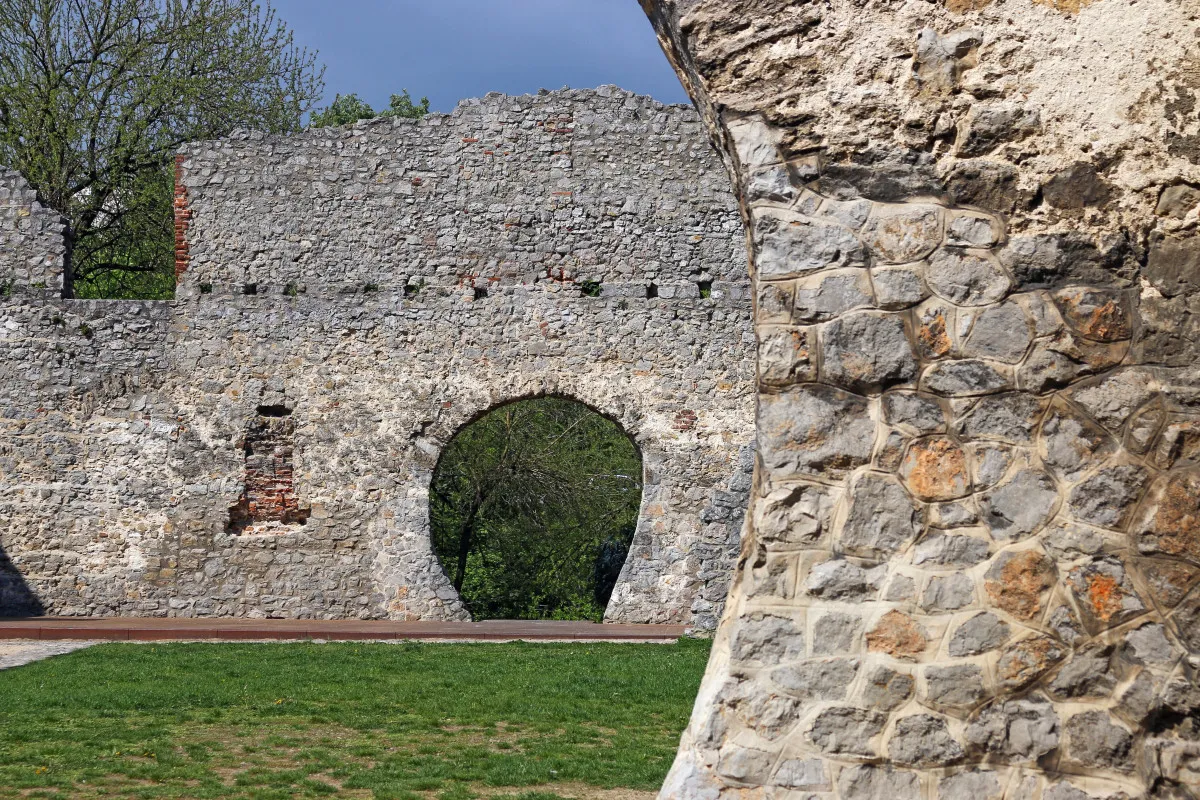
[533,506]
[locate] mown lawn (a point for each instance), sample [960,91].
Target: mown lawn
[428,721]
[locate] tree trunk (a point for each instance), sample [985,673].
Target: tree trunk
[465,538]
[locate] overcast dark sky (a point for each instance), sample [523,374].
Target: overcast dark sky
[453,49]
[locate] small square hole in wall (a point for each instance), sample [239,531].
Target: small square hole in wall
[206,288]
[651,291]
[250,288]
[705,288]
[481,292]
[589,288]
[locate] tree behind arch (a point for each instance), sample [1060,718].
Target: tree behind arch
[533,507]
[96,96]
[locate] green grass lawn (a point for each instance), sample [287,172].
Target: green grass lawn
[429,721]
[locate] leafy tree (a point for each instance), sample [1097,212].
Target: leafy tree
[97,95]
[348,108]
[533,508]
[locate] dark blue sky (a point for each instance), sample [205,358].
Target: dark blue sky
[453,49]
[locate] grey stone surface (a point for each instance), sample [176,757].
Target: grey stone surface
[923,740]
[973,784]
[768,638]
[1016,730]
[918,413]
[817,678]
[950,550]
[810,429]
[947,593]
[887,689]
[968,278]
[965,378]
[1020,506]
[847,731]
[834,632]
[838,579]
[881,519]
[1106,498]
[1009,417]
[961,686]
[865,782]
[1002,333]
[1086,674]
[1095,740]
[866,352]
[979,634]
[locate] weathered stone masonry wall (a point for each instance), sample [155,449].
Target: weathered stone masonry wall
[347,300]
[975,532]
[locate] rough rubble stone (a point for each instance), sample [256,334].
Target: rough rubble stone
[947,593]
[810,430]
[836,633]
[818,679]
[828,295]
[1149,644]
[1104,593]
[965,378]
[1017,582]
[967,278]
[847,731]
[865,782]
[838,579]
[1094,314]
[935,468]
[973,784]
[785,355]
[960,687]
[887,689]
[898,287]
[898,635]
[1073,444]
[1086,674]
[768,638]
[1015,731]
[919,413]
[1010,417]
[1021,506]
[787,246]
[801,773]
[1095,740]
[1106,498]
[1025,661]
[948,550]
[866,351]
[923,740]
[798,514]
[880,518]
[979,634]
[1001,333]
[904,233]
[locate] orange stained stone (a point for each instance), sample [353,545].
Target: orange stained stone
[897,634]
[935,468]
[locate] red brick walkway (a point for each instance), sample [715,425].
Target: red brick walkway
[165,629]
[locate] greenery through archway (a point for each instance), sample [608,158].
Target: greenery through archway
[533,507]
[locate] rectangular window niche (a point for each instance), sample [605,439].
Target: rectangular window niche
[268,503]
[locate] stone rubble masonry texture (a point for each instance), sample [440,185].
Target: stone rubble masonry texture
[974,536]
[347,300]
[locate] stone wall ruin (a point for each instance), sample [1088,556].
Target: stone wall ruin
[347,299]
[971,563]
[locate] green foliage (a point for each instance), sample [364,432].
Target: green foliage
[533,507]
[379,720]
[349,108]
[97,95]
